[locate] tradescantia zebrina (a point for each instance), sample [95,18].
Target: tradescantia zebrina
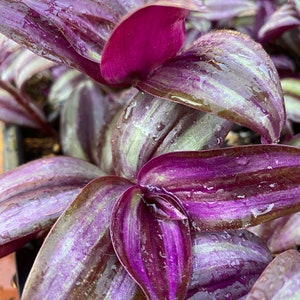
[175,217]
[224,73]
[155,228]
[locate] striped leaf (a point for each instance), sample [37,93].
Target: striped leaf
[231,187]
[227,74]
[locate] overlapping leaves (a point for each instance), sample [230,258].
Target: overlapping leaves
[203,76]
[35,194]
[174,194]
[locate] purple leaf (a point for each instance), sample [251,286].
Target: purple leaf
[228,74]
[284,18]
[85,121]
[13,113]
[7,47]
[33,196]
[18,109]
[151,126]
[130,54]
[63,86]
[28,64]
[86,26]
[280,279]
[280,234]
[219,9]
[230,187]
[36,32]
[226,264]
[152,250]
[77,260]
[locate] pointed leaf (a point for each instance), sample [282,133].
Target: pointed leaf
[284,18]
[33,196]
[151,126]
[152,250]
[77,260]
[280,280]
[130,54]
[230,187]
[228,74]
[226,264]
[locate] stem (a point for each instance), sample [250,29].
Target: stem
[25,103]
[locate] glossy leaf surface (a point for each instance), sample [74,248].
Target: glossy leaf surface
[150,126]
[77,260]
[228,74]
[152,249]
[230,187]
[33,196]
[35,31]
[280,280]
[226,264]
[130,54]
[7,47]
[85,121]
[280,234]
[219,9]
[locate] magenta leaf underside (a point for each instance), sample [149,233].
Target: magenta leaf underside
[122,60]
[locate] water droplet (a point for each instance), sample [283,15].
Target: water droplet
[161,254]
[160,126]
[129,109]
[218,128]
[228,296]
[234,263]
[242,160]
[220,141]
[257,212]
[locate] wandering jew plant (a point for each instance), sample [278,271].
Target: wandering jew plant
[147,201]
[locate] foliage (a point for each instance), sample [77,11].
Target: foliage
[147,200]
